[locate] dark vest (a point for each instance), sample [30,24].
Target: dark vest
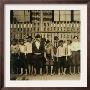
[40,50]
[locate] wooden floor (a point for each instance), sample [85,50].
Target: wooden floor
[47,77]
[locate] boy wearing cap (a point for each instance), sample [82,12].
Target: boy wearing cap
[61,54]
[38,54]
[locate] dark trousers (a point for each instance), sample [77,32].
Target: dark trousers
[38,61]
[62,63]
[69,64]
[75,60]
[55,67]
[29,59]
[14,63]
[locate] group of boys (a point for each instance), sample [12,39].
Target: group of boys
[40,56]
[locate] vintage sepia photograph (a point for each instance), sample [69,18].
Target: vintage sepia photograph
[45,45]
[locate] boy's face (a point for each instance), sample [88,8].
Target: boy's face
[76,39]
[21,42]
[38,39]
[29,40]
[61,43]
[14,43]
[68,42]
[48,43]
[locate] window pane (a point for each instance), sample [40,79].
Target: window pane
[62,17]
[76,17]
[62,12]
[68,17]
[77,12]
[56,15]
[68,12]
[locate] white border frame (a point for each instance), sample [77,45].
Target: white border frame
[43,83]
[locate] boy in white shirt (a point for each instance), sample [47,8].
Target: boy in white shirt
[14,57]
[76,54]
[61,54]
[38,50]
[22,57]
[29,56]
[69,56]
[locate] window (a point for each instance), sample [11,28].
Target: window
[76,15]
[56,15]
[65,15]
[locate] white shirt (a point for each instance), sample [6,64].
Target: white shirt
[14,48]
[22,48]
[28,46]
[65,44]
[49,49]
[54,51]
[60,51]
[75,46]
[37,43]
[68,50]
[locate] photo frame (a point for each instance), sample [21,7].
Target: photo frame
[2,3]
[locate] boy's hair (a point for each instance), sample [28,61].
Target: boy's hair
[29,37]
[21,40]
[47,41]
[43,39]
[37,36]
[75,37]
[61,41]
[55,38]
[14,40]
[70,41]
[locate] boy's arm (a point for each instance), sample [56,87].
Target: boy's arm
[25,48]
[10,48]
[66,51]
[18,49]
[52,52]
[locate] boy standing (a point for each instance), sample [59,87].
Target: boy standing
[49,56]
[22,57]
[76,54]
[38,54]
[28,46]
[69,56]
[61,54]
[14,57]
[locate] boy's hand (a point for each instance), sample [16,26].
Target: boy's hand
[46,59]
[57,59]
[66,58]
